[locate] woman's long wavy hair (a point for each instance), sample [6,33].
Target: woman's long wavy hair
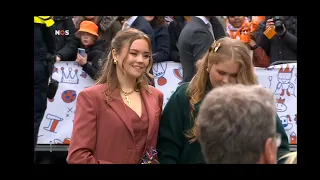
[123,40]
[224,49]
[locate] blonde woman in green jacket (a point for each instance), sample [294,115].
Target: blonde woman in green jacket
[226,62]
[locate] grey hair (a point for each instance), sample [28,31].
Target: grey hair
[234,123]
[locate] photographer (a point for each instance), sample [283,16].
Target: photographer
[44,48]
[283,45]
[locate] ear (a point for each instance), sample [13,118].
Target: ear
[270,151]
[114,54]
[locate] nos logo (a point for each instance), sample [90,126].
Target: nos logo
[61,32]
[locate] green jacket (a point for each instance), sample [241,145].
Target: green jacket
[173,147]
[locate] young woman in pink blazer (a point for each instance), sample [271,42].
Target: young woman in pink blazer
[117,120]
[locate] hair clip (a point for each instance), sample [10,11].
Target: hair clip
[217,47]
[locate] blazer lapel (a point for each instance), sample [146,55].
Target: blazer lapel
[150,104]
[119,108]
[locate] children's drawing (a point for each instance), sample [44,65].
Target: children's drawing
[270,80]
[284,86]
[178,73]
[70,77]
[53,122]
[83,74]
[69,111]
[286,122]
[281,107]
[65,141]
[293,138]
[68,96]
[55,70]
[159,70]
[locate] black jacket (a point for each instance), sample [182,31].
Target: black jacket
[67,44]
[280,48]
[95,58]
[175,28]
[44,41]
[143,25]
[162,41]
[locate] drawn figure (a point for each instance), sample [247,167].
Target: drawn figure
[284,85]
[68,96]
[293,138]
[270,79]
[159,70]
[83,74]
[281,107]
[285,122]
[178,73]
[70,78]
[55,70]
[54,121]
[295,81]
[295,118]
[77,64]
[65,141]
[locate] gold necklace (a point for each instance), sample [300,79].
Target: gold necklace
[126,95]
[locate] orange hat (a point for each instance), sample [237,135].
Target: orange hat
[89,27]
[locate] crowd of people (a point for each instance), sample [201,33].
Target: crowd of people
[208,119]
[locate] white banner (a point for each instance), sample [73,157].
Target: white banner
[56,126]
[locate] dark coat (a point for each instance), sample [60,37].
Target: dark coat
[67,44]
[95,58]
[194,41]
[280,48]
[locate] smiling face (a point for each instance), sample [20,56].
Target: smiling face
[133,61]
[236,21]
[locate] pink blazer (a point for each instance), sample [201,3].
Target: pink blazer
[103,134]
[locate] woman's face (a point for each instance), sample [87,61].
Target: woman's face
[137,60]
[236,21]
[224,72]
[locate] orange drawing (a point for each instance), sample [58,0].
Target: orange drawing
[162,81]
[179,74]
[284,85]
[159,70]
[281,107]
[54,121]
[293,138]
[65,141]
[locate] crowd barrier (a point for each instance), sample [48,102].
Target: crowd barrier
[56,126]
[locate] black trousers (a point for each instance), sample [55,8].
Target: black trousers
[41,79]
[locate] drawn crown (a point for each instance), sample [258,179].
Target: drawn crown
[281,101]
[286,70]
[71,78]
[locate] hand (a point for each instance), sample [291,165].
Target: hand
[252,43]
[270,23]
[58,58]
[81,60]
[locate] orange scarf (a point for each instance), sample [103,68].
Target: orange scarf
[242,33]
